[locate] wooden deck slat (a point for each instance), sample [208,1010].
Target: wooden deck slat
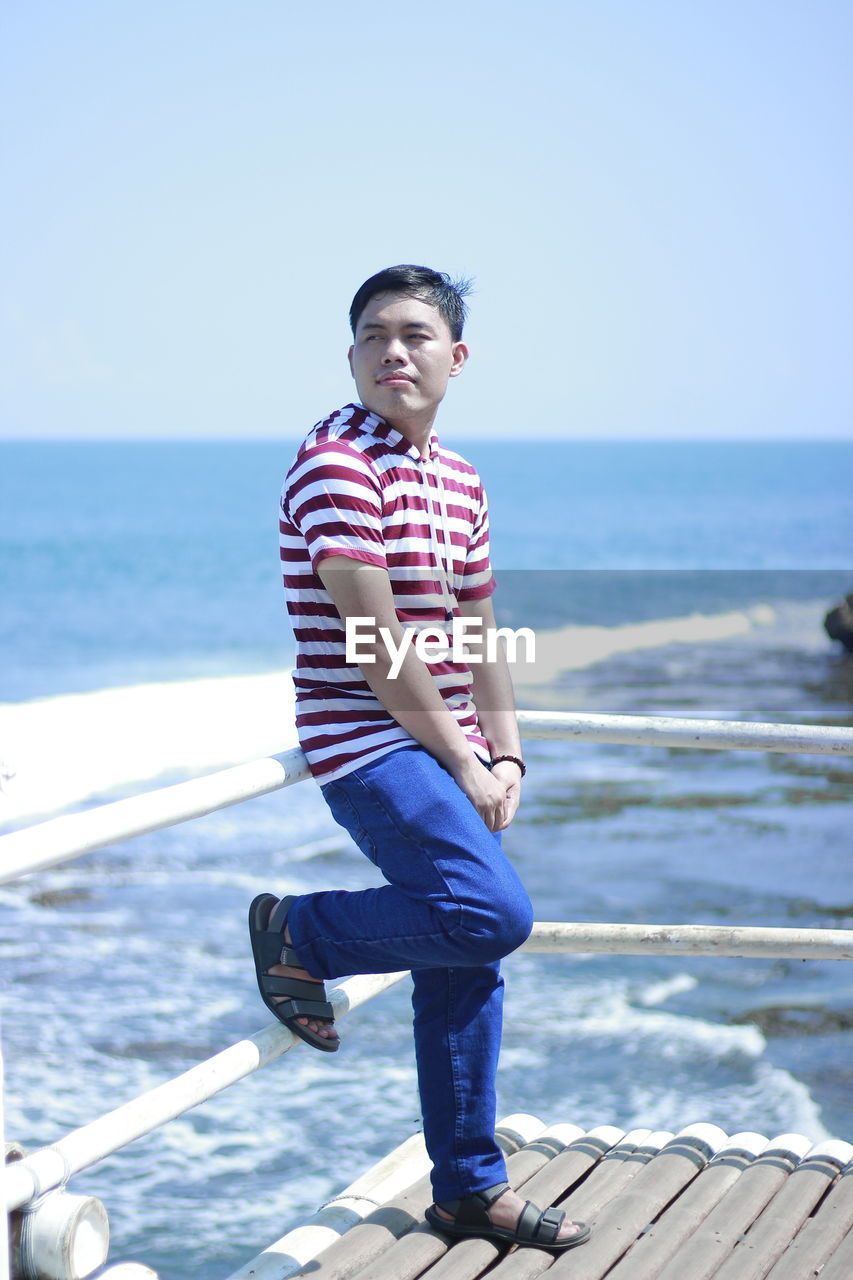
[819,1238]
[421,1247]
[619,1224]
[616,1169]
[613,1172]
[559,1176]
[706,1250]
[369,1240]
[379,1230]
[409,1257]
[652,1251]
[697,1206]
[770,1235]
[840,1265]
[468,1259]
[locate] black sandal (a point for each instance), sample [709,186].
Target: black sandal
[266,929]
[536,1227]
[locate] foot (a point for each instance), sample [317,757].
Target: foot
[320,1026]
[506,1211]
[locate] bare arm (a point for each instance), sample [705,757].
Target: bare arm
[495,703]
[362,590]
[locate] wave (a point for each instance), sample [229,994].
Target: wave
[645,1065]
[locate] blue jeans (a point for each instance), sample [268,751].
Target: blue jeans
[452,907]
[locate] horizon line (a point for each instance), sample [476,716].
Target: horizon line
[472,439]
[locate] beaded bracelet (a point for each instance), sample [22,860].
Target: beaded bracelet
[512,760]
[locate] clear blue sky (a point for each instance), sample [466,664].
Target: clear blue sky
[654,199]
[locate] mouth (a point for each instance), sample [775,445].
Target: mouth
[394,380]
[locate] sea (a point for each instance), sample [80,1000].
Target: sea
[144,640]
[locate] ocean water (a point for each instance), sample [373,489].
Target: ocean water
[144,640]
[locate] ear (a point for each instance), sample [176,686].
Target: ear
[459,353]
[349,358]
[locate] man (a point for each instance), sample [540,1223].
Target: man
[419,760]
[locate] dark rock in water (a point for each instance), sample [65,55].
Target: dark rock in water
[838,623]
[797,1020]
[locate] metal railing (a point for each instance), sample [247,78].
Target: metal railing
[47,844]
[52,1166]
[64,838]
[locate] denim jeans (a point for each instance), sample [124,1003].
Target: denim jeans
[452,907]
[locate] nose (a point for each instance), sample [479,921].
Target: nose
[394,353]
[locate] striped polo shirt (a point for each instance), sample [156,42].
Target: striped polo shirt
[359,488]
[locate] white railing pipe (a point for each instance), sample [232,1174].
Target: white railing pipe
[673,731]
[51,1166]
[691,940]
[384,1180]
[64,1237]
[59,839]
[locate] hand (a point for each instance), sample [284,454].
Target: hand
[487,793]
[509,776]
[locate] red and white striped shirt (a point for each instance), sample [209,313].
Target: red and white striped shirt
[359,488]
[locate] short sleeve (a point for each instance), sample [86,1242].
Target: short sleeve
[333,498]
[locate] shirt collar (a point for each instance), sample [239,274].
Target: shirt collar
[377,426]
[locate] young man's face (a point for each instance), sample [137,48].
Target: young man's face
[402,358]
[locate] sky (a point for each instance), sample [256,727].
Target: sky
[653,200]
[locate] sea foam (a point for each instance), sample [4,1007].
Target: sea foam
[60,751]
[67,749]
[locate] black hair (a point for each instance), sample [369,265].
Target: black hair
[434,287]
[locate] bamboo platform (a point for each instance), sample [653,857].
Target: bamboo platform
[695,1205]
